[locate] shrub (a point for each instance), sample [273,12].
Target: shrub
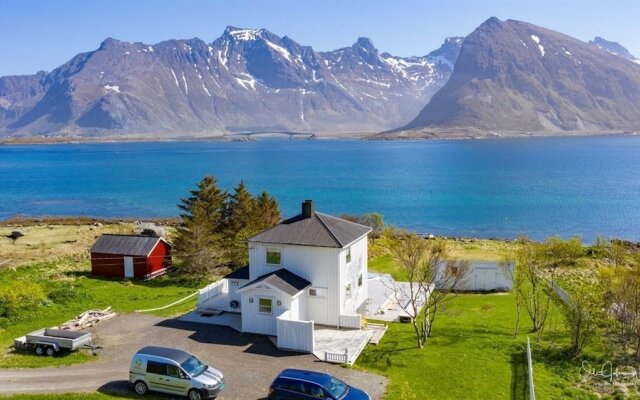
[18,297]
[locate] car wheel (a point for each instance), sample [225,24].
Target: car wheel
[50,351]
[195,394]
[140,388]
[40,350]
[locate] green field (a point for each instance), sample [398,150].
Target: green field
[71,290]
[472,354]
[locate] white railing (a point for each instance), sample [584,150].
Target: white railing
[353,321]
[341,358]
[532,391]
[212,290]
[294,334]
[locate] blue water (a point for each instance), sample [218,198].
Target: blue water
[489,188]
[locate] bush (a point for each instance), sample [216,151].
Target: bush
[4,323]
[65,294]
[18,297]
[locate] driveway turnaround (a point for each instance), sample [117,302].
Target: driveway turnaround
[249,362]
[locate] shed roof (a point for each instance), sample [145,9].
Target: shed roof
[129,245]
[319,230]
[282,279]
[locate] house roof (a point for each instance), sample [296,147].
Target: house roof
[241,273]
[320,230]
[282,279]
[130,245]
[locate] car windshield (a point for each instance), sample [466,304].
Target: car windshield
[336,388]
[193,366]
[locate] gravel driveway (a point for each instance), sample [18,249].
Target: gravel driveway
[249,362]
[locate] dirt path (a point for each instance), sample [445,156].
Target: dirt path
[249,362]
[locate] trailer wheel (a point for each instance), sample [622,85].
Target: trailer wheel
[140,387]
[50,351]
[40,350]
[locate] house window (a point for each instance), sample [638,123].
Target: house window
[234,283]
[265,306]
[274,256]
[317,292]
[347,290]
[360,280]
[348,255]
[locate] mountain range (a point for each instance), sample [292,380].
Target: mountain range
[505,78]
[247,80]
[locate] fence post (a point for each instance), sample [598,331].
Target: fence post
[532,391]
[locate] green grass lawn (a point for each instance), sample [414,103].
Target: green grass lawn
[83,292]
[472,354]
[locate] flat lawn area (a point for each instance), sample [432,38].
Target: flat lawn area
[464,249]
[472,354]
[70,290]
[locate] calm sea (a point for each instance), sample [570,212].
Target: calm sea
[584,186]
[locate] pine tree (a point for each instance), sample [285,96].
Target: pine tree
[199,235]
[267,212]
[240,214]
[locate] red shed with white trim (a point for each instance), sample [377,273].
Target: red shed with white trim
[130,256]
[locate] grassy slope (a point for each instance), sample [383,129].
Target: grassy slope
[471,355]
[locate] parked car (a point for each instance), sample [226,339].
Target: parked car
[173,371]
[296,384]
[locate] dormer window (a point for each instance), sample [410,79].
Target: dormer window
[348,255]
[274,256]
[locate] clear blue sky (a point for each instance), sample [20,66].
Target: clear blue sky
[42,34]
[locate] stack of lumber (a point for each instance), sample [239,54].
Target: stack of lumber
[88,319]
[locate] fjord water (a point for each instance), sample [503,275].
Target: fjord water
[500,188]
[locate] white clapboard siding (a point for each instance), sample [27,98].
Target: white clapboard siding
[318,265]
[255,322]
[349,275]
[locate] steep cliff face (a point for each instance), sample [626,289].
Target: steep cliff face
[515,76]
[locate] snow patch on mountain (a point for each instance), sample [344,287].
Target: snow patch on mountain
[537,40]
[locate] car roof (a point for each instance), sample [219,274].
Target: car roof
[312,376]
[176,355]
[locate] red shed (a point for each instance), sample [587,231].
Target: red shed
[130,256]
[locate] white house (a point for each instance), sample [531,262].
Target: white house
[309,269]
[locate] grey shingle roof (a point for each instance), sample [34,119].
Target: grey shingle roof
[241,273]
[129,245]
[320,230]
[284,280]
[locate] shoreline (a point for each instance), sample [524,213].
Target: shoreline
[31,221]
[383,136]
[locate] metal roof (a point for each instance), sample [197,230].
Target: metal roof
[320,230]
[241,273]
[176,355]
[129,245]
[284,280]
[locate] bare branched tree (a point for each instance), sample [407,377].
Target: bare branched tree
[432,278]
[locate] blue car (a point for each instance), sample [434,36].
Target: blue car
[296,384]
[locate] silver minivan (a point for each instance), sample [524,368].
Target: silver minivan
[173,371]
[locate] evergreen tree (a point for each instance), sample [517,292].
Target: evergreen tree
[240,214]
[198,239]
[267,212]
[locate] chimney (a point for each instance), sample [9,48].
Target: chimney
[308,209]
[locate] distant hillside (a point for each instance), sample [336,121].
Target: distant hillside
[517,77]
[246,80]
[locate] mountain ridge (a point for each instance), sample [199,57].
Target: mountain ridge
[516,77]
[245,80]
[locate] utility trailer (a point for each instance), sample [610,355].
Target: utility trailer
[49,341]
